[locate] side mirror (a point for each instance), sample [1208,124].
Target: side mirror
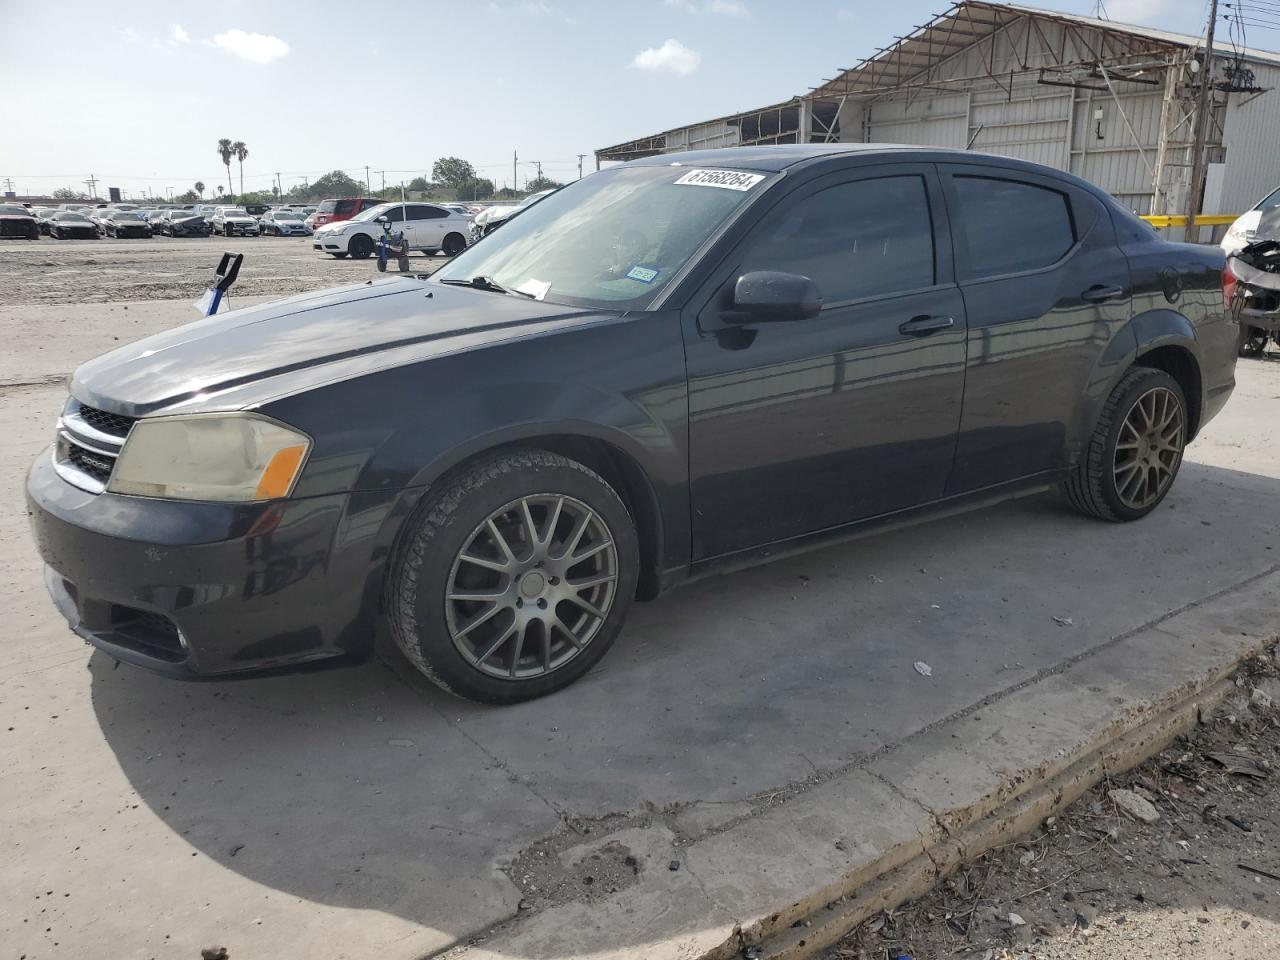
[384,220]
[769,296]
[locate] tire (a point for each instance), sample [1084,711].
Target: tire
[1119,454]
[498,493]
[454,244]
[360,247]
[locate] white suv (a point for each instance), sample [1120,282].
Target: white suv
[426,226]
[229,221]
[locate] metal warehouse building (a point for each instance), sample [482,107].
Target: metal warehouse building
[1113,103]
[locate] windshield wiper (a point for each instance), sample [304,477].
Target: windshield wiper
[487,283]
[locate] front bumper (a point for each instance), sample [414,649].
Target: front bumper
[240,230]
[196,589]
[329,243]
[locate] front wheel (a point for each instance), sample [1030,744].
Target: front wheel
[513,580]
[1135,452]
[360,247]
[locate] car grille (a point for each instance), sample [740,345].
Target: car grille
[88,443]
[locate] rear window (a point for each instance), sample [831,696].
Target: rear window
[366,204]
[327,206]
[344,206]
[1008,225]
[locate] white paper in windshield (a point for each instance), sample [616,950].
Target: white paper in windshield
[535,288]
[725,179]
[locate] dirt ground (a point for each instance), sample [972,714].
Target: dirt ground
[163,268]
[1094,883]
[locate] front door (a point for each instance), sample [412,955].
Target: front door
[798,427]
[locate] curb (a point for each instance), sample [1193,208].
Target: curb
[794,878]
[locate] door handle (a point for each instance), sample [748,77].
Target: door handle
[1100,293]
[924,325]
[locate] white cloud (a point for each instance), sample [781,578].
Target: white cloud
[258,47]
[672,57]
[725,8]
[178,35]
[130,35]
[728,8]
[1138,11]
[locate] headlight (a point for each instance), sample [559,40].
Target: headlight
[227,457]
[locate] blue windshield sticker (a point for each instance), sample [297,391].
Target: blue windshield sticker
[643,274]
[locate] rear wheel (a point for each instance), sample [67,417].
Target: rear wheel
[454,244]
[1135,452]
[360,247]
[515,578]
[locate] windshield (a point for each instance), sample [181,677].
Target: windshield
[612,239]
[285,215]
[1270,203]
[373,213]
[12,209]
[125,215]
[72,216]
[234,212]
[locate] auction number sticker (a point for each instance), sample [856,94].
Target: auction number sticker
[725,179]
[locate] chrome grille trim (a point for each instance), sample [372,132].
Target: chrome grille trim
[84,454]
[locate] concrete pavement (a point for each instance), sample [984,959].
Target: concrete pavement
[359,811]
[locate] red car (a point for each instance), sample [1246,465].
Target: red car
[332,211]
[17,221]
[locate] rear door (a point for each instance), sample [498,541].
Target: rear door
[1045,289]
[429,223]
[798,427]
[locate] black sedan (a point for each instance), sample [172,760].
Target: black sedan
[17,221]
[183,223]
[69,225]
[667,368]
[124,224]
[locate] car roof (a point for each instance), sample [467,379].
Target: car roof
[778,157]
[773,157]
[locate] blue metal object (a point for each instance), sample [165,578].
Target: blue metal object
[392,245]
[223,278]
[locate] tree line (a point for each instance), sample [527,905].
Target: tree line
[452,178]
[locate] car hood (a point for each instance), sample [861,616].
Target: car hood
[252,355]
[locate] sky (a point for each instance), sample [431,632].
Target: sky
[137,92]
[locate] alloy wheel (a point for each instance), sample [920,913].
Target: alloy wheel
[532,586]
[1149,448]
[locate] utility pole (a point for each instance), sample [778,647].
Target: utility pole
[367,182]
[1195,190]
[8,185]
[580,157]
[383,174]
[515,174]
[279,186]
[91,183]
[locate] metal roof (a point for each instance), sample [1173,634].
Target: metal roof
[966,23]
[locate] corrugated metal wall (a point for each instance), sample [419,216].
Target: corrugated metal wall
[1252,139]
[1031,121]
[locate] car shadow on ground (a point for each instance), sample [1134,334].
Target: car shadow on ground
[363,787]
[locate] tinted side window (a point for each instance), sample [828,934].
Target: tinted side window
[427,212]
[344,206]
[395,215]
[366,204]
[1008,225]
[861,239]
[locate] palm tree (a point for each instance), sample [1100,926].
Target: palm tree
[200,189]
[225,150]
[241,152]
